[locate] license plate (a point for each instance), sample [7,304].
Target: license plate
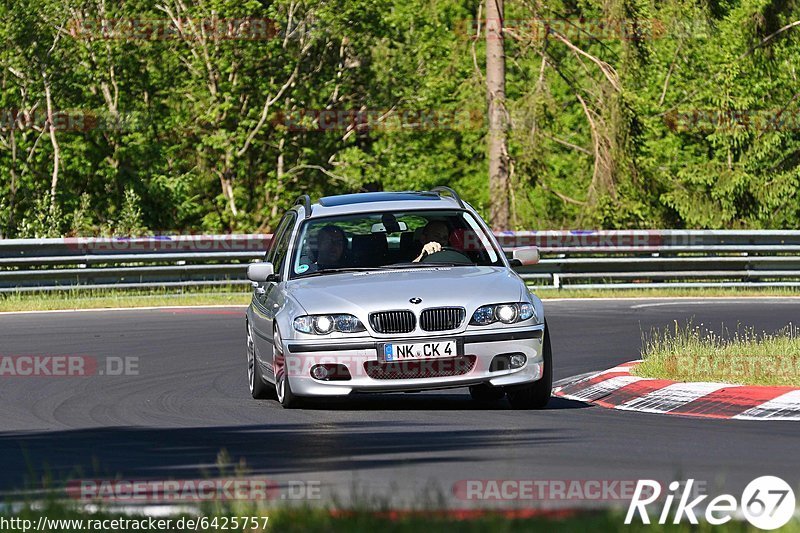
[418,350]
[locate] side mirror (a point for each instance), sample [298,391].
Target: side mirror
[525,256]
[260,272]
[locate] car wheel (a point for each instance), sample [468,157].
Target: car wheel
[283,389]
[259,388]
[537,394]
[486,393]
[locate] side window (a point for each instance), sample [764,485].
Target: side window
[283,235]
[277,235]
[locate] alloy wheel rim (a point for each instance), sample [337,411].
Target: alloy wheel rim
[280,372]
[279,388]
[251,361]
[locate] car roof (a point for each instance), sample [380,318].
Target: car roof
[377,201]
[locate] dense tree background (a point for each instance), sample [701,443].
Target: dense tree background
[678,113]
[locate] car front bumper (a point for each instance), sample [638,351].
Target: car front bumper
[479,348]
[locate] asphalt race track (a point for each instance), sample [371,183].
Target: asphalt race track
[190,400]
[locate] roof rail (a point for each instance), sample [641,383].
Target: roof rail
[447,190]
[305,201]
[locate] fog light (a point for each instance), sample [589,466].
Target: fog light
[319,372]
[517,360]
[500,362]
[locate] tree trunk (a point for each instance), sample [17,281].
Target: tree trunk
[12,193]
[279,176]
[226,177]
[498,116]
[56,149]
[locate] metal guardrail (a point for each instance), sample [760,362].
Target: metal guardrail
[658,258]
[570,259]
[172,261]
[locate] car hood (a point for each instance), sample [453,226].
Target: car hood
[391,289]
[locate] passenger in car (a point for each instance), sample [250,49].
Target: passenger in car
[331,248]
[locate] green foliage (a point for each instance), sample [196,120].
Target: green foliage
[691,121]
[42,221]
[82,225]
[130,223]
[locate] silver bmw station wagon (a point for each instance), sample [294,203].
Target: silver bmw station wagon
[390,292]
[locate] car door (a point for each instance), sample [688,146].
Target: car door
[268,297]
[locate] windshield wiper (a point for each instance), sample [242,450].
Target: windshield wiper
[428,264]
[340,270]
[444,263]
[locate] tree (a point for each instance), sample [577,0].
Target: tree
[498,116]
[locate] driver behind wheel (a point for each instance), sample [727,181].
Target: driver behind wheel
[435,234]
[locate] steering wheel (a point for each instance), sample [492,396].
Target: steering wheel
[447,254]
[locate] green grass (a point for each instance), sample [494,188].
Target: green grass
[108,298]
[678,292]
[240,295]
[324,520]
[744,356]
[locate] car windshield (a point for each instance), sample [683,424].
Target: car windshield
[391,240]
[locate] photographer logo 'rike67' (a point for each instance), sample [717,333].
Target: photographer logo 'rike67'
[767,502]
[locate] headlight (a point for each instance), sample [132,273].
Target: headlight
[324,324]
[505,313]
[483,316]
[527,311]
[348,324]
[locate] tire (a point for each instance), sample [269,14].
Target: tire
[486,393]
[259,389]
[537,394]
[283,388]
